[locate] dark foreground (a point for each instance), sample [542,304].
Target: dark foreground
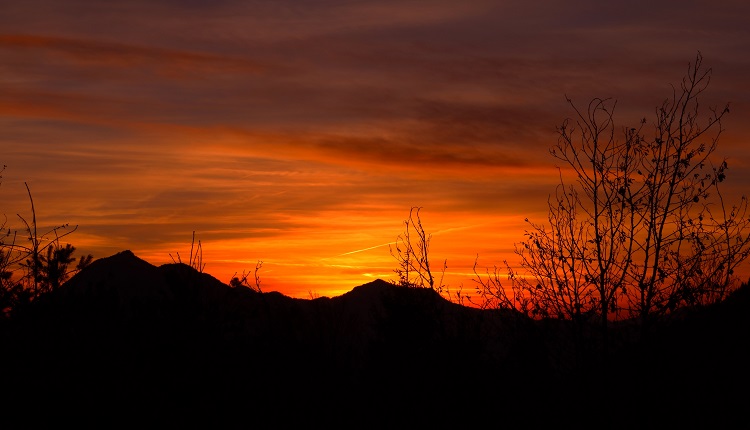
[126,342]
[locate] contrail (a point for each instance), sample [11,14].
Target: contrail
[363,249]
[391,243]
[446,230]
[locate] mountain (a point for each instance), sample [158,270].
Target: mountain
[127,340]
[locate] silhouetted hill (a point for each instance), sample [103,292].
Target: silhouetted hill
[124,339]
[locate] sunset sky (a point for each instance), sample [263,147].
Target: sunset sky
[300,134]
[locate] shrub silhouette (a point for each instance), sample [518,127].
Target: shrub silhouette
[37,266]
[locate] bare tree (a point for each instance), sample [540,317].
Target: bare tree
[492,294]
[242,280]
[687,240]
[195,258]
[411,250]
[643,228]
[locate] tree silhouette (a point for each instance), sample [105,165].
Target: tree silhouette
[54,266]
[242,280]
[44,262]
[411,250]
[195,259]
[643,229]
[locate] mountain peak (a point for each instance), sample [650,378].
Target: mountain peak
[123,272]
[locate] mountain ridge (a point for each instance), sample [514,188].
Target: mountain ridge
[124,334]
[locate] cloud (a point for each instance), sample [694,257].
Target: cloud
[119,57]
[294,130]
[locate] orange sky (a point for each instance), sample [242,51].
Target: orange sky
[301,135]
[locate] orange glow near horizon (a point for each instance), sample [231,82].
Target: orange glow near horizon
[333,261]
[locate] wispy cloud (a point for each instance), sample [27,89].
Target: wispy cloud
[301,133]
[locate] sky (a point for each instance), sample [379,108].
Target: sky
[296,136]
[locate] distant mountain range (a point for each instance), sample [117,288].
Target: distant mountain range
[127,341]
